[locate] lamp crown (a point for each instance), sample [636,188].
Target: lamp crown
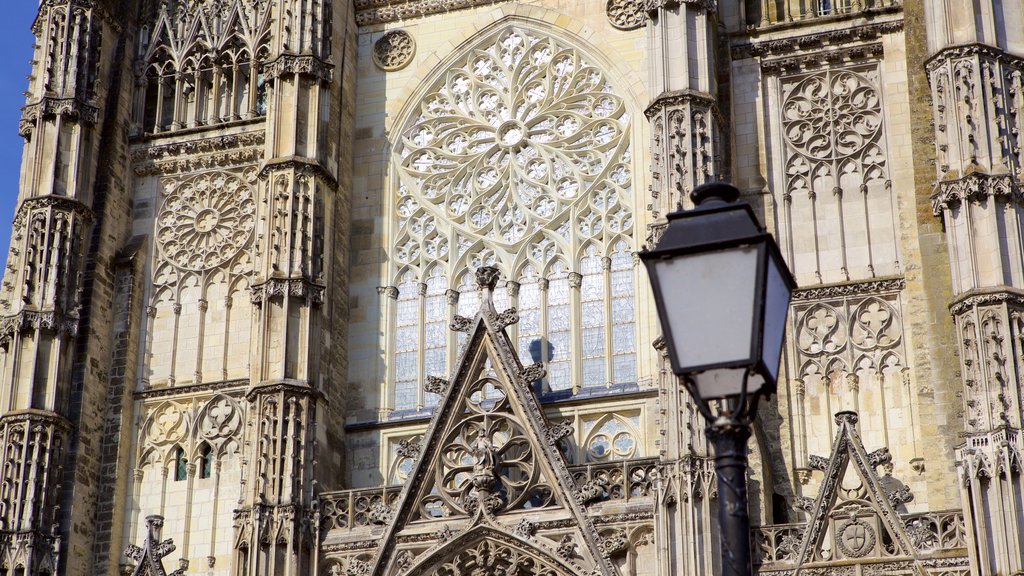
[714,192]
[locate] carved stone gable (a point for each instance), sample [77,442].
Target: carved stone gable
[854,515]
[484,468]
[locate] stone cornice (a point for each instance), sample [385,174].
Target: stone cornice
[195,155]
[300,387]
[62,203]
[300,64]
[678,97]
[54,321]
[32,415]
[370,12]
[291,287]
[972,50]
[796,46]
[68,108]
[986,297]
[97,6]
[231,387]
[879,285]
[822,59]
[300,164]
[975,187]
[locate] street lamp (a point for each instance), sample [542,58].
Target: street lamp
[722,291]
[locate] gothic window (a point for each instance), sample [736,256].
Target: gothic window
[185,83]
[407,344]
[205,461]
[180,465]
[518,156]
[622,315]
[593,317]
[611,437]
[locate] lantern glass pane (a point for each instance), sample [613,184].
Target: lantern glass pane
[776,304]
[710,299]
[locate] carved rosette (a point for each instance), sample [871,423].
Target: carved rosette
[205,221]
[394,50]
[627,14]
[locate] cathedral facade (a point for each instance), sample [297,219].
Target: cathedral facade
[351,287]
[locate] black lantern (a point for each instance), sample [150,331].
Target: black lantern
[723,291]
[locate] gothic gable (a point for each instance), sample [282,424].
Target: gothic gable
[489,472]
[854,514]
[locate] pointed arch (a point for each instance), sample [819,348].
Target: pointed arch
[462,551]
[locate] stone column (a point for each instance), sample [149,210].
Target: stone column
[302,223]
[686,151]
[979,119]
[41,296]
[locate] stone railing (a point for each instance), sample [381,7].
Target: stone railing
[347,509]
[770,12]
[933,535]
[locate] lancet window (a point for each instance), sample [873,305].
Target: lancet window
[201,64]
[518,156]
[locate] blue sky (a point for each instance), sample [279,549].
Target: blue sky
[16,46]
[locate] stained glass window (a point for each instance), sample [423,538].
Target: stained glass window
[623,316]
[407,343]
[518,156]
[180,465]
[558,343]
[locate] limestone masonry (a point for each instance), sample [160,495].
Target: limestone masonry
[351,287]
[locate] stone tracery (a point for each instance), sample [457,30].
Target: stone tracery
[205,221]
[512,136]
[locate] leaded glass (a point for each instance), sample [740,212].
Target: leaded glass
[518,155]
[407,336]
[559,348]
[592,318]
[623,325]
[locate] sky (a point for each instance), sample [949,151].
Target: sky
[16,47]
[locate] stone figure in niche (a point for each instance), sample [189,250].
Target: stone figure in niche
[485,457]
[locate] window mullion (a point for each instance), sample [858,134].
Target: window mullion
[609,320]
[421,349]
[542,285]
[575,336]
[513,301]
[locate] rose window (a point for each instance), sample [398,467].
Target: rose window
[205,221]
[511,137]
[832,116]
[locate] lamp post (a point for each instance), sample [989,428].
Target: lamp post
[722,290]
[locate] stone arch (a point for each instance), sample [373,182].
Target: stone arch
[531,558]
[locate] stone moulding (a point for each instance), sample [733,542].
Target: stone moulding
[822,59]
[975,188]
[39,417]
[300,165]
[970,50]
[63,324]
[307,64]
[94,5]
[370,12]
[292,287]
[871,287]
[233,388]
[62,203]
[195,155]
[679,97]
[810,42]
[71,108]
[988,297]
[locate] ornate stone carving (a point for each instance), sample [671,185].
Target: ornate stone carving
[394,50]
[532,373]
[461,324]
[627,14]
[615,542]
[525,528]
[149,557]
[855,538]
[590,490]
[245,149]
[524,153]
[306,64]
[205,221]
[70,108]
[436,385]
[291,287]
[555,433]
[381,513]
